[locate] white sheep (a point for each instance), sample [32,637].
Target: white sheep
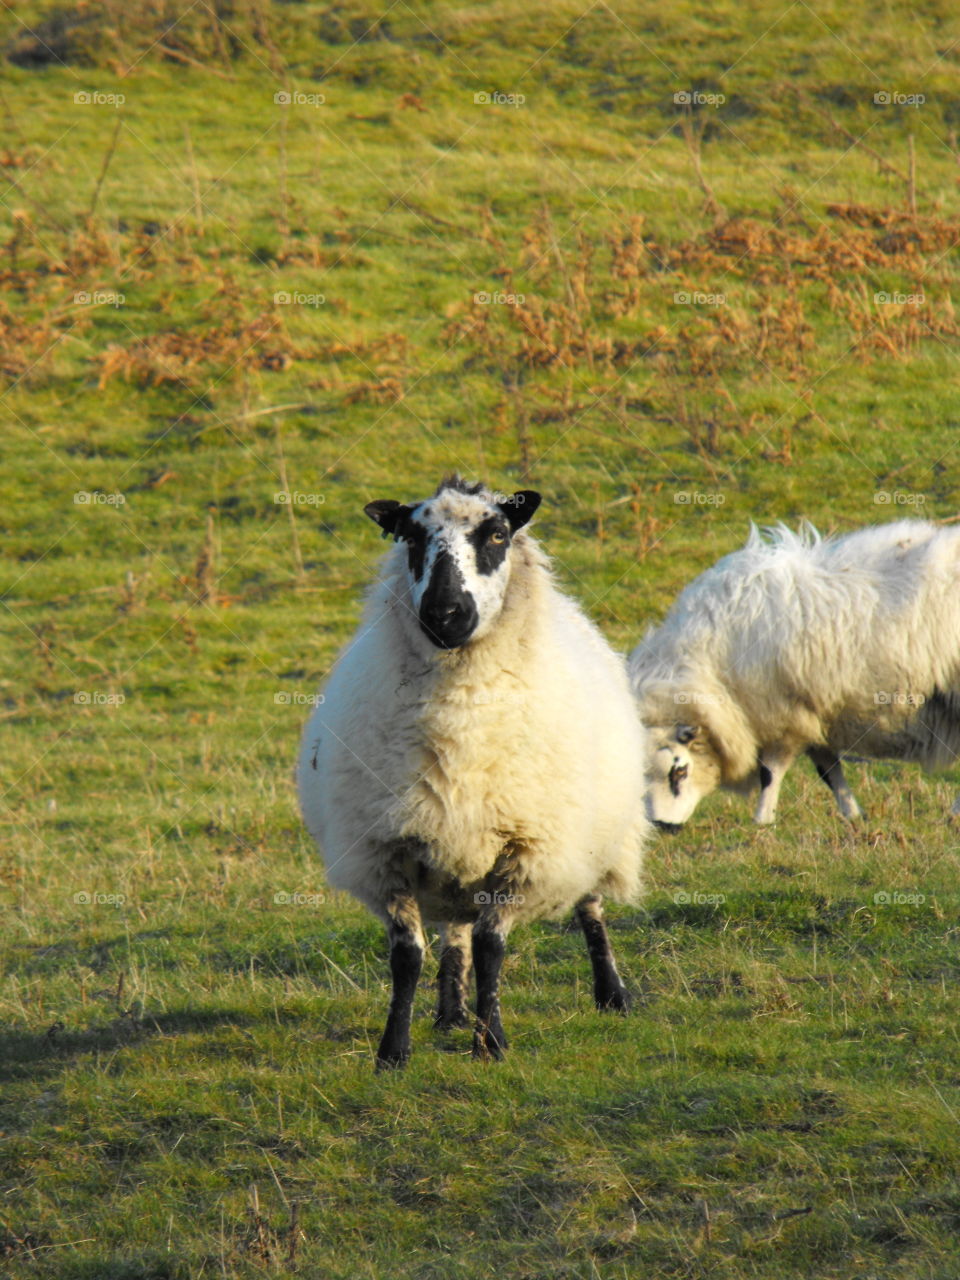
[797,643]
[477,758]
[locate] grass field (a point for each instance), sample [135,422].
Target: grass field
[262,263]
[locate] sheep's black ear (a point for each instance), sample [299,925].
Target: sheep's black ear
[388,514]
[686,733]
[520,508]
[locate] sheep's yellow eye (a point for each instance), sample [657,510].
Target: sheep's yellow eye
[498,538]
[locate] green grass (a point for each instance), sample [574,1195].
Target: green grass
[783,1100]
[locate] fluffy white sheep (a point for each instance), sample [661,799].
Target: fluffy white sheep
[797,643]
[477,758]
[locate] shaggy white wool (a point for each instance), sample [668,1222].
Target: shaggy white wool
[524,743]
[849,642]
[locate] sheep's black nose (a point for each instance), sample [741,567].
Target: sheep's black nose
[448,613]
[672,827]
[450,625]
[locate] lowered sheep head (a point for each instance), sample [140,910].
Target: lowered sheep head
[458,555]
[682,768]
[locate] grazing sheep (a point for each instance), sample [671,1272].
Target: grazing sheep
[477,759]
[802,644]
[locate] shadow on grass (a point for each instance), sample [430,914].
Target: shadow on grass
[32,1055]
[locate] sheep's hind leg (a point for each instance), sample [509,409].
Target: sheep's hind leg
[489,945]
[830,771]
[608,989]
[453,977]
[405,934]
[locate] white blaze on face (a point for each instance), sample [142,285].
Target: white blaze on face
[678,777]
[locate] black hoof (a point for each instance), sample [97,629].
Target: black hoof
[392,1056]
[394,1063]
[451,1021]
[616,1000]
[488,1045]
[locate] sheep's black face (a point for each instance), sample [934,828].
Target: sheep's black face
[458,554]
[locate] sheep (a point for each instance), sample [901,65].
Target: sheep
[477,758]
[802,643]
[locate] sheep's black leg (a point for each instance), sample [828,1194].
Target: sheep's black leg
[489,939]
[406,961]
[608,989]
[452,979]
[830,769]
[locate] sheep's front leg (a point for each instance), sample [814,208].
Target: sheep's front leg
[773,765]
[830,770]
[489,945]
[405,935]
[453,976]
[608,989]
